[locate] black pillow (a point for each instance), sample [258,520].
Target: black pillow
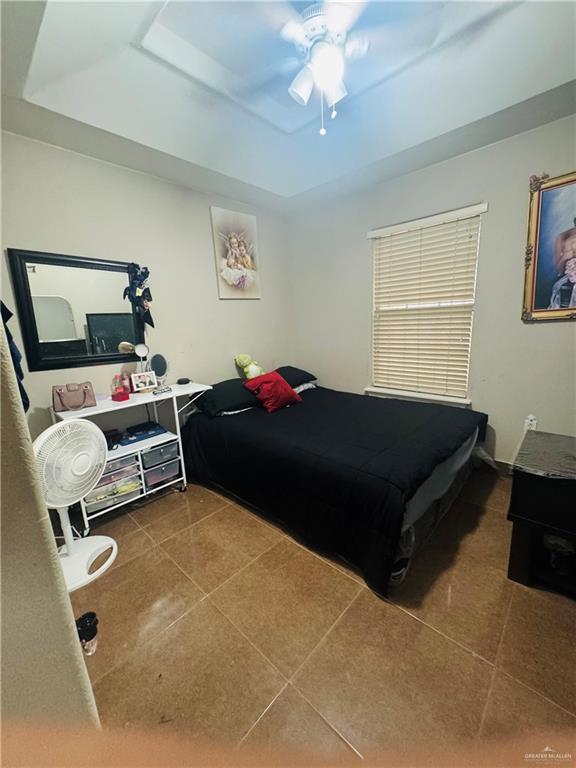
[230,395]
[295,376]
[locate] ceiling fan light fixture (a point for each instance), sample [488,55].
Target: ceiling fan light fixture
[301,87]
[336,94]
[327,64]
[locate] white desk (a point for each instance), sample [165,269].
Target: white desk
[105,404]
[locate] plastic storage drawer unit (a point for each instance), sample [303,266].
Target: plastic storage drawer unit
[162,474]
[113,465]
[112,489]
[119,474]
[159,455]
[110,501]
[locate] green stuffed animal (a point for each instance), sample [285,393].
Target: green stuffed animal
[249,367]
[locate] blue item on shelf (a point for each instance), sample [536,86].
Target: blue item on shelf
[141,432]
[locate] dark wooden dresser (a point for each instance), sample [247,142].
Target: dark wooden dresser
[543,511]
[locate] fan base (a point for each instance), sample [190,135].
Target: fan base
[76,567]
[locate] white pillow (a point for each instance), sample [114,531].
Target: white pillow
[233,413]
[304,387]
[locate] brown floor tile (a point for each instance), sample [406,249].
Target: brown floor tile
[116,525]
[264,520]
[486,488]
[214,549]
[539,644]
[199,676]
[350,570]
[470,530]
[225,499]
[380,676]
[134,602]
[132,545]
[131,539]
[383,678]
[464,598]
[483,533]
[285,602]
[292,725]
[344,567]
[169,514]
[514,709]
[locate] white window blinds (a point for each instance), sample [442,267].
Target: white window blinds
[423,303]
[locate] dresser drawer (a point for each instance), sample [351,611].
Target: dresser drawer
[161,474]
[544,501]
[159,455]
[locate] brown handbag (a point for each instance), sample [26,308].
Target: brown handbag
[72,397]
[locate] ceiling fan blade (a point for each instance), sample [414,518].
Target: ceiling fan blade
[402,40]
[341,16]
[278,16]
[357,46]
[293,32]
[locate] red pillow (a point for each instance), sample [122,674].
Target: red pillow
[273,391]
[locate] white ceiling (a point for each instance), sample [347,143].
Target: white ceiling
[235,49]
[199,88]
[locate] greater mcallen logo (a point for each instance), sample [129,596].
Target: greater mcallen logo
[548,755]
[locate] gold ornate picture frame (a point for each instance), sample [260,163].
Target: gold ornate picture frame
[550,261]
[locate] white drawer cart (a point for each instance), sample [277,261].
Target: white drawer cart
[144,467]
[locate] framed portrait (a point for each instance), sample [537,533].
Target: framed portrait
[550,280]
[236,254]
[144,382]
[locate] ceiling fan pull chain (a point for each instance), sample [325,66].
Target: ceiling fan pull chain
[322,129]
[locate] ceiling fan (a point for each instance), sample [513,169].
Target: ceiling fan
[325,42]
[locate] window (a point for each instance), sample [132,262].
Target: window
[423,303]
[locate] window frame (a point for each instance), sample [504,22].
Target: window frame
[445,217]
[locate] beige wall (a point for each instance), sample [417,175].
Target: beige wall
[516,368]
[44,677]
[59,201]
[316,272]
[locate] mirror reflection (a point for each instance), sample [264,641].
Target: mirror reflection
[83,309]
[72,310]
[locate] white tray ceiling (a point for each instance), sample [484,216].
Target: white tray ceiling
[200,82]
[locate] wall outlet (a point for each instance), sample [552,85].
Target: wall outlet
[530,422]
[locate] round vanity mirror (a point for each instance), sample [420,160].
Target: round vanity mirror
[159,365]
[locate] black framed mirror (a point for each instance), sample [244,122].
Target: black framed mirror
[72,311]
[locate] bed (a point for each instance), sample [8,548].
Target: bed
[351,475]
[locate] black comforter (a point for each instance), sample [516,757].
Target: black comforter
[337,468]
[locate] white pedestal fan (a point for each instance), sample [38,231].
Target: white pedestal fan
[71,456]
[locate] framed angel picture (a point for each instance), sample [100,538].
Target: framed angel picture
[550,279]
[236,254]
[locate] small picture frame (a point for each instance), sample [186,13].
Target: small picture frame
[144,382]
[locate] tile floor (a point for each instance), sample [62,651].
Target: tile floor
[216,623]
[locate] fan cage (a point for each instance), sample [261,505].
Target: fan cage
[71,457]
